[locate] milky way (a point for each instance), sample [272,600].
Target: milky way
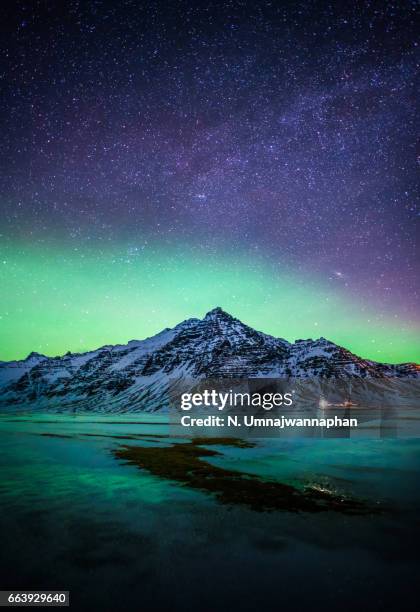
[159,159]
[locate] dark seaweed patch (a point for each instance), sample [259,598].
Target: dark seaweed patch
[185,463]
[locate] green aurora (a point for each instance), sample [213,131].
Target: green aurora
[59,299]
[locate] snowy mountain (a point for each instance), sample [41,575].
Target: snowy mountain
[139,375]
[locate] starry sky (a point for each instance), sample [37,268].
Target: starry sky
[159,159]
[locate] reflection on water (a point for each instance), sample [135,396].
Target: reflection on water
[73,516]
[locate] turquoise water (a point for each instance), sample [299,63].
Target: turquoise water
[74,517]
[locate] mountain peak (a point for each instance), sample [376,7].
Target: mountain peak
[35,355]
[219,314]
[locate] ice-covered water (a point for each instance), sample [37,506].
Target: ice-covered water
[74,517]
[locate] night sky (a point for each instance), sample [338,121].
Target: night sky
[159,159]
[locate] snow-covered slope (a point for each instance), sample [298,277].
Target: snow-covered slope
[11,371]
[138,376]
